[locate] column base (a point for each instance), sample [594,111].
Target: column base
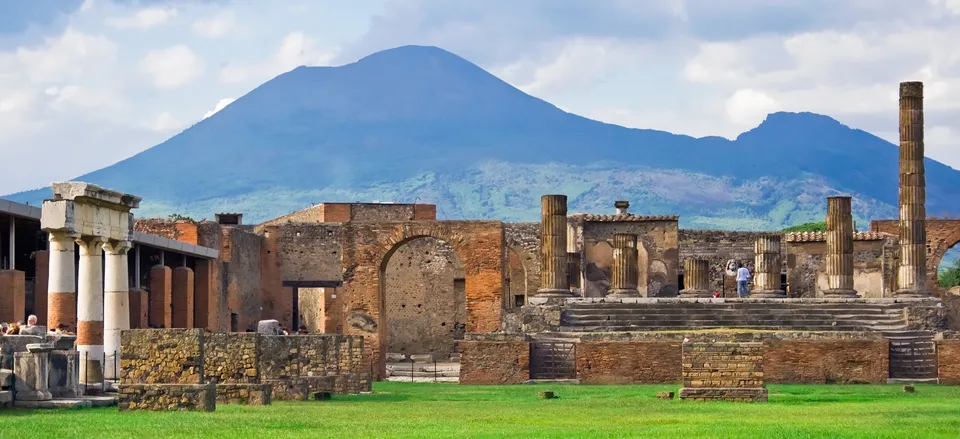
[695,293]
[554,292]
[910,293]
[768,294]
[623,292]
[840,294]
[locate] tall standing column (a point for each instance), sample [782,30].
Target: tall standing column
[766,278]
[912,275]
[839,248]
[116,302]
[623,278]
[90,310]
[696,278]
[61,281]
[553,247]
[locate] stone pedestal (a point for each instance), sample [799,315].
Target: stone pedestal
[696,278]
[767,268]
[553,247]
[268,327]
[64,374]
[623,276]
[839,257]
[912,274]
[723,371]
[32,372]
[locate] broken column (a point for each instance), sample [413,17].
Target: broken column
[623,277]
[31,373]
[912,275]
[696,278]
[553,247]
[839,248]
[116,298]
[90,310]
[767,267]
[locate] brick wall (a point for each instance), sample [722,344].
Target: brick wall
[728,371]
[826,361]
[218,316]
[161,297]
[41,262]
[12,296]
[948,359]
[164,356]
[179,230]
[632,362]
[494,362]
[942,234]
[523,242]
[139,308]
[242,275]
[182,296]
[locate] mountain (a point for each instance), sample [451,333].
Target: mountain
[420,123]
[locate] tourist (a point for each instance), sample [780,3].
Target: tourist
[61,330]
[743,276]
[303,330]
[3,328]
[31,328]
[13,329]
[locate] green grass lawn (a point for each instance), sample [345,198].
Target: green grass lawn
[450,410]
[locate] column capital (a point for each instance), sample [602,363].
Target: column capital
[116,247]
[63,235]
[90,245]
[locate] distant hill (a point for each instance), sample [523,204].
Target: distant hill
[422,124]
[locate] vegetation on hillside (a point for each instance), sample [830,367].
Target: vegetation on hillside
[820,226]
[950,277]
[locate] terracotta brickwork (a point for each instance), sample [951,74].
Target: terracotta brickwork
[218,316]
[182,296]
[523,257]
[242,276]
[161,297]
[826,361]
[41,262]
[139,308]
[12,296]
[179,230]
[366,248]
[942,234]
[948,360]
[629,362]
[364,212]
[494,362]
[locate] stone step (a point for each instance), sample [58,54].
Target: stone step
[739,305]
[811,328]
[913,381]
[709,316]
[719,322]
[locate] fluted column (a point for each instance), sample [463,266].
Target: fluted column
[116,301]
[61,281]
[912,275]
[839,248]
[553,247]
[766,278]
[696,278]
[90,309]
[623,277]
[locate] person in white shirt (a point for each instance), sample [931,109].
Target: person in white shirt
[743,277]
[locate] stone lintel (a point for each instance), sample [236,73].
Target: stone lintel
[91,193]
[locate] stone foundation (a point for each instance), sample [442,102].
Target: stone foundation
[494,362]
[723,371]
[948,361]
[244,394]
[724,394]
[168,397]
[300,389]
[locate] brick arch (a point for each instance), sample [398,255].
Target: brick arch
[479,245]
[942,235]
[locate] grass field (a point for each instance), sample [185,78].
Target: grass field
[450,410]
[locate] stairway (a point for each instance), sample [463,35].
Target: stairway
[913,356]
[681,315]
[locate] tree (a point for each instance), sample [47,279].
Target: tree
[950,277]
[808,227]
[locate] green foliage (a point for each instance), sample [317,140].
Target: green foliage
[950,277]
[820,226]
[405,410]
[179,217]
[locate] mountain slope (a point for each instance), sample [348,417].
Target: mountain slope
[420,122]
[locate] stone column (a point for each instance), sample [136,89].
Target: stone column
[766,276]
[553,247]
[696,278]
[116,302]
[839,248]
[90,310]
[912,275]
[623,275]
[61,281]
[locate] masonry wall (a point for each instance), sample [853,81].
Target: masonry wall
[231,358]
[826,361]
[242,275]
[806,268]
[41,261]
[720,247]
[523,258]
[942,235]
[632,362]
[948,360]
[211,274]
[658,255]
[167,356]
[494,362]
[12,296]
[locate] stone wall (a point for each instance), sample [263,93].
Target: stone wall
[719,247]
[294,364]
[424,309]
[727,371]
[658,260]
[806,269]
[231,358]
[948,360]
[209,275]
[523,257]
[165,356]
[631,362]
[494,362]
[168,397]
[242,275]
[826,361]
[942,235]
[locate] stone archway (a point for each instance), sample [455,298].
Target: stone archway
[479,245]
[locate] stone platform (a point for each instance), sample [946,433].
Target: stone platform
[68,403]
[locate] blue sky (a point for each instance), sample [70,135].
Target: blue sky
[84,84]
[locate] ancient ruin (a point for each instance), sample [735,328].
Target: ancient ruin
[188,314]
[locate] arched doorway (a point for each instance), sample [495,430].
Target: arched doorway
[516,280]
[424,299]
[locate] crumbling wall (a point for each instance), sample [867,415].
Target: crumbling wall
[523,257]
[826,361]
[636,362]
[242,275]
[720,247]
[658,255]
[161,356]
[210,277]
[495,361]
[806,268]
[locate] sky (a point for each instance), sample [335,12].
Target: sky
[86,83]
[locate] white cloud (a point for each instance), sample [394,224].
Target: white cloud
[748,107]
[172,67]
[72,54]
[216,26]
[221,104]
[144,18]
[296,49]
[165,122]
[579,61]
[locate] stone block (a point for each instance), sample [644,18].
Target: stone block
[167,397]
[665,395]
[244,394]
[62,342]
[6,399]
[738,394]
[231,358]
[161,356]
[12,299]
[11,344]
[268,327]
[64,378]
[6,379]
[32,371]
